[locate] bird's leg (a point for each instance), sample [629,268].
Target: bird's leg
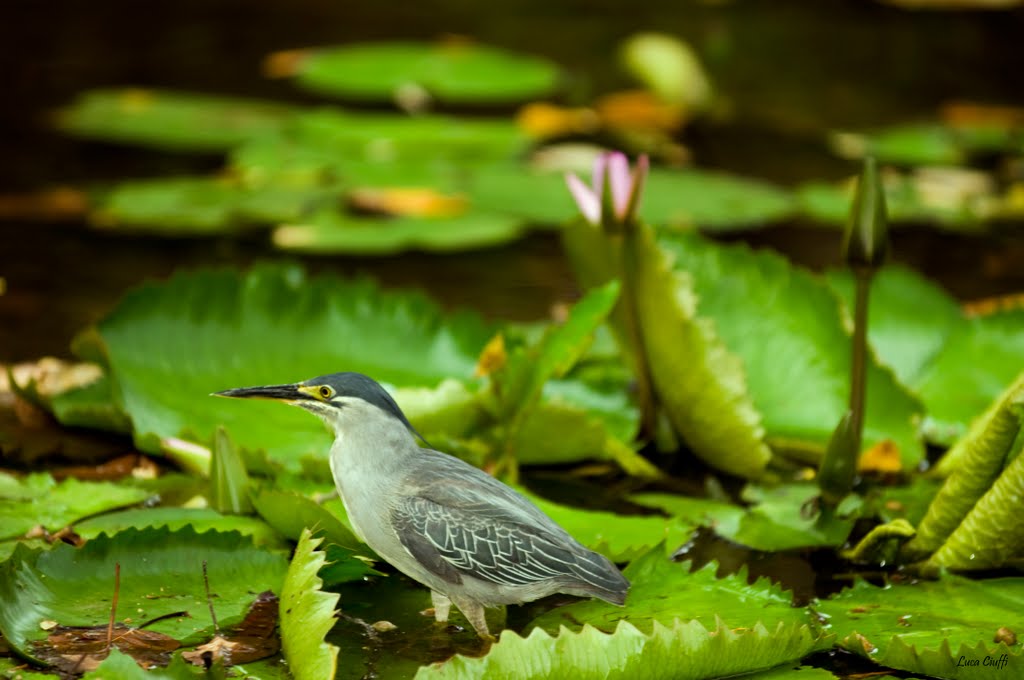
[474,613]
[442,605]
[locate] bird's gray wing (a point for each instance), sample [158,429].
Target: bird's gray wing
[480,541]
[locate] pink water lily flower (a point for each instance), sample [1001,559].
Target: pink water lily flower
[623,189]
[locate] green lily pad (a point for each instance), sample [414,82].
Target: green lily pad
[957,364]
[200,519]
[123,667]
[678,651]
[927,143]
[785,325]
[165,358]
[161,573]
[910,318]
[198,205]
[307,615]
[177,121]
[664,591]
[980,359]
[15,669]
[773,522]
[928,627]
[620,538]
[454,72]
[335,232]
[38,500]
[710,201]
[713,201]
[167,351]
[385,137]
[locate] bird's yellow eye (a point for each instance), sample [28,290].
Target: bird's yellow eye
[326,392]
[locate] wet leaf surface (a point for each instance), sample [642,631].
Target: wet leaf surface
[663,590]
[253,639]
[161,574]
[927,627]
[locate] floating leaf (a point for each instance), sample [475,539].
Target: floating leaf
[786,327]
[161,574]
[307,615]
[618,537]
[167,354]
[773,522]
[336,232]
[38,500]
[900,626]
[193,205]
[200,519]
[178,121]
[909,319]
[452,71]
[926,143]
[980,359]
[710,201]
[663,591]
[677,651]
[361,139]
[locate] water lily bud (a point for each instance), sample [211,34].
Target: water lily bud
[867,233]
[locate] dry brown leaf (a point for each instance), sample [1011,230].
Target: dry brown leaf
[75,649]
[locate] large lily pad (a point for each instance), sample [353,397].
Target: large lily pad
[170,345]
[710,201]
[161,573]
[335,232]
[957,364]
[38,500]
[909,318]
[980,359]
[713,201]
[943,628]
[785,325]
[664,591]
[926,143]
[678,651]
[619,537]
[376,137]
[165,119]
[773,522]
[455,71]
[200,519]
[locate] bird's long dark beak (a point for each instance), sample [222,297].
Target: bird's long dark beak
[278,392]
